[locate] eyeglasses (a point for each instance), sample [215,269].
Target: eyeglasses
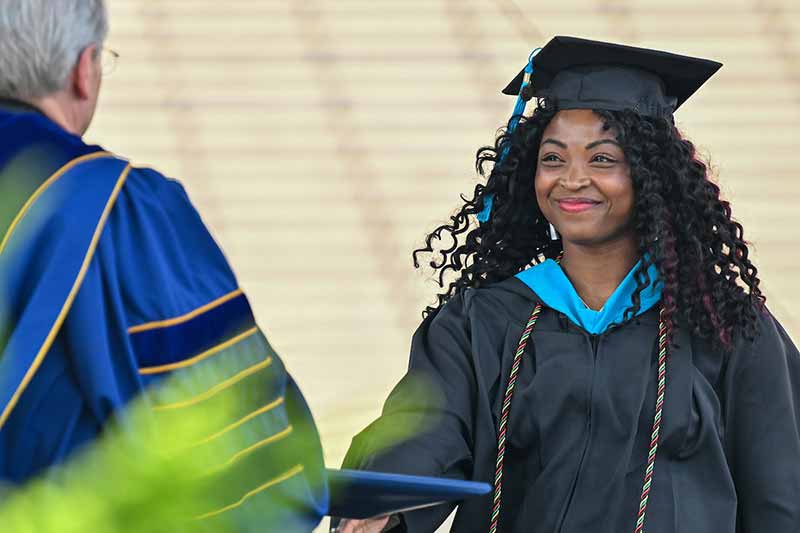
[108,61]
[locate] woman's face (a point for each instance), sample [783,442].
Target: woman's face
[583,182]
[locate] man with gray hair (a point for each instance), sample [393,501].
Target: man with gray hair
[110,282]
[49,58]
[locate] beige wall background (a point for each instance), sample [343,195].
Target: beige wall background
[322,139]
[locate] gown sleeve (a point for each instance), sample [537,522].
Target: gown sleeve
[159,316]
[763,426]
[191,329]
[426,427]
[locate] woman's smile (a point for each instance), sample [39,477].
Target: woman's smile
[577,205]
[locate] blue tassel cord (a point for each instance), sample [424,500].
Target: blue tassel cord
[519,109]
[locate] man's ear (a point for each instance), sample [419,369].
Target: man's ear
[85,72]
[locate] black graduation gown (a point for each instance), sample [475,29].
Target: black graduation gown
[581,418]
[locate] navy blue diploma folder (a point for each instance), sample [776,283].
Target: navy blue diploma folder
[361,494]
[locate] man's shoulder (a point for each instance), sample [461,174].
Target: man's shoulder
[150,193]
[35,150]
[35,134]
[150,182]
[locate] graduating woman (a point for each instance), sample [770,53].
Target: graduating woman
[604,355]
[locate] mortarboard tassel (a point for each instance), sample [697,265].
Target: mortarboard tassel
[519,109]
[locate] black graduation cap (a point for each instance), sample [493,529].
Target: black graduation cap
[578,73]
[583,74]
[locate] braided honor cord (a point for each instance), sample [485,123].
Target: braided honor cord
[501,434]
[651,456]
[503,429]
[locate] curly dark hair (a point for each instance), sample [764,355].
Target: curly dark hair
[683,226]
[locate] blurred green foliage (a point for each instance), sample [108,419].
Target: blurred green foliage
[145,476]
[131,480]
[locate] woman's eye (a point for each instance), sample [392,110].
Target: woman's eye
[603,159]
[551,158]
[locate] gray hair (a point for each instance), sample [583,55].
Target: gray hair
[41,40]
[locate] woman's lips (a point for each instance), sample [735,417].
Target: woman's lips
[576,205]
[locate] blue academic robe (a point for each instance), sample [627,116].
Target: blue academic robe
[109,283]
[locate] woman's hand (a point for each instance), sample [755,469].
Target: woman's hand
[372,525]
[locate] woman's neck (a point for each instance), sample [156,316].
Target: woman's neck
[597,271]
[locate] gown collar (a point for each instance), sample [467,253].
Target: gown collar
[551,284]
[10,105]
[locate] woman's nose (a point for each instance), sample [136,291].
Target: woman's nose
[576,177]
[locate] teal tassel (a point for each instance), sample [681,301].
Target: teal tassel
[519,109]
